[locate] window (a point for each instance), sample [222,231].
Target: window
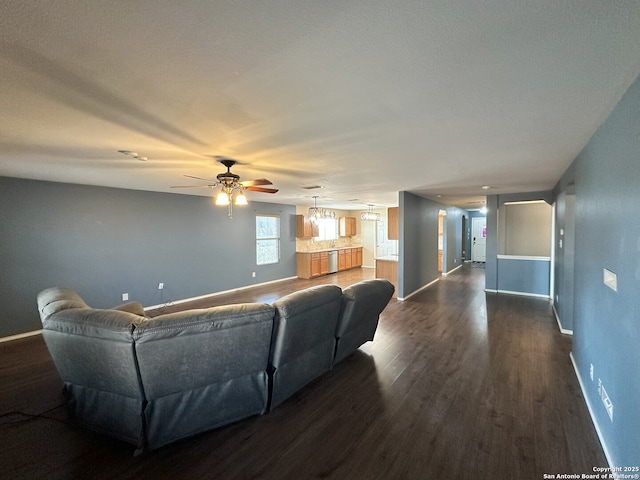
[267,239]
[327,229]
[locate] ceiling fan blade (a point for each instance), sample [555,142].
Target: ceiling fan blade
[200,178]
[257,181]
[191,186]
[261,189]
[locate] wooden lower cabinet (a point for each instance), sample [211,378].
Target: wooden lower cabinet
[348,261]
[314,264]
[324,263]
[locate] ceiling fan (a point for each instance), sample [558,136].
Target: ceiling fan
[232,189]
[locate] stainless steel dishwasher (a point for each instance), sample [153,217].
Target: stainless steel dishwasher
[333,261]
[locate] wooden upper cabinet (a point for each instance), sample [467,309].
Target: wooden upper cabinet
[305,228]
[347,226]
[392,223]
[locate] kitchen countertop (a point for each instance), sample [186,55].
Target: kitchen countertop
[388,258]
[328,249]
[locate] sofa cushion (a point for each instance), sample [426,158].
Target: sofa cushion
[201,347]
[303,339]
[361,306]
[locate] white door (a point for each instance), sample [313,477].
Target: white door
[368,230]
[384,246]
[479,239]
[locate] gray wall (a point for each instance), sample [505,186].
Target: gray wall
[103,242]
[453,247]
[606,324]
[564,270]
[491,264]
[418,244]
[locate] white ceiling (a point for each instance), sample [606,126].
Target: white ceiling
[365,98]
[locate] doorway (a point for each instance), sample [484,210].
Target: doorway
[479,239]
[441,239]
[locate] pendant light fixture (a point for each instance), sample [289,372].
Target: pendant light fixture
[316,213]
[370,215]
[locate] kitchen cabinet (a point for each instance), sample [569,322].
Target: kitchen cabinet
[324,263]
[356,257]
[341,260]
[305,228]
[314,264]
[347,226]
[392,223]
[311,264]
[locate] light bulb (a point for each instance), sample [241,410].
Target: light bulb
[241,199]
[222,199]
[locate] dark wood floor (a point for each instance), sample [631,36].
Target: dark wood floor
[458,384]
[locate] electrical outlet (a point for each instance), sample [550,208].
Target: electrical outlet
[125,297]
[606,401]
[608,405]
[253,274]
[160,286]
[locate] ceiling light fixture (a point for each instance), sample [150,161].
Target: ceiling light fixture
[232,194]
[370,215]
[316,213]
[131,154]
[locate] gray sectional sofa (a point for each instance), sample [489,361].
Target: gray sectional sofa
[152,381]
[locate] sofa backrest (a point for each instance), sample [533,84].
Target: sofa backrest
[190,349]
[90,347]
[360,310]
[303,338]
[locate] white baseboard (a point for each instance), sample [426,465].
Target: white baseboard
[566,331]
[522,294]
[20,335]
[209,295]
[591,413]
[402,299]
[444,274]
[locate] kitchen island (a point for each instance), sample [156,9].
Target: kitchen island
[387,268]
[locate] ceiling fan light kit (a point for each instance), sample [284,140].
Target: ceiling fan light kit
[231,188]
